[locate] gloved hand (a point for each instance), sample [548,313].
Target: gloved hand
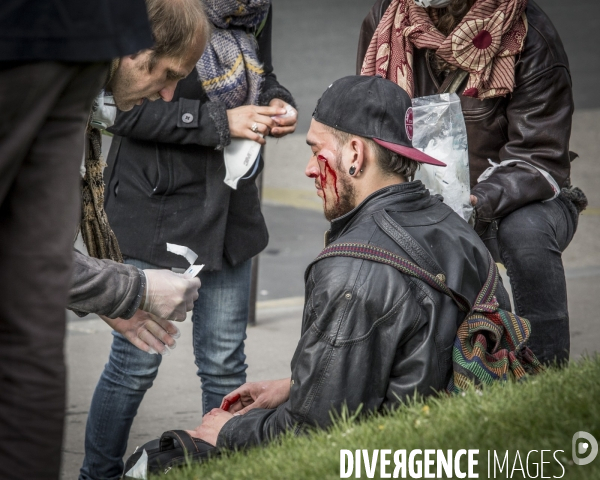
[169,295]
[146,332]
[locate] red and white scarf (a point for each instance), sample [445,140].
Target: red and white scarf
[485,44]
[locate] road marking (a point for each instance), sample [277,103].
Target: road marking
[591,211]
[305,199]
[280,303]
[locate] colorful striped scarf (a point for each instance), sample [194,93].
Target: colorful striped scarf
[484,44]
[229,69]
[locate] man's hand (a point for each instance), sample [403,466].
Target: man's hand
[242,119]
[269,394]
[286,124]
[473,200]
[146,332]
[212,423]
[169,295]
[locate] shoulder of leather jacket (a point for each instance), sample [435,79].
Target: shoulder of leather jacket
[543,47]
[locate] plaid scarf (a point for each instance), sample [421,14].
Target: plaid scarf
[229,69]
[484,44]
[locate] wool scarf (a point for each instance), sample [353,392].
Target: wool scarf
[229,69]
[484,44]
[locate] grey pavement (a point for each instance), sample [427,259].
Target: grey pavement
[315,43]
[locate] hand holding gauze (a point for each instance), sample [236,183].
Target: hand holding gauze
[169,295]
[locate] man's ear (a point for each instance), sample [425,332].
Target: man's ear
[358,149]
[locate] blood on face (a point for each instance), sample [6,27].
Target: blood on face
[327,175]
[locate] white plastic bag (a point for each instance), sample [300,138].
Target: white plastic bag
[440,131]
[140,469]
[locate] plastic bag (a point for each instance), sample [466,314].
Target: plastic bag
[140,469]
[439,130]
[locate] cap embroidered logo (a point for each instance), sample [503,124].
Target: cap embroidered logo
[408,122]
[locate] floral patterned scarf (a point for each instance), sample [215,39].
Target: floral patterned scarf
[484,44]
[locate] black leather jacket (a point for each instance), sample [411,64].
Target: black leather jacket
[371,335]
[533,124]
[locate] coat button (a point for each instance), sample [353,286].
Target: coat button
[187,118]
[348,296]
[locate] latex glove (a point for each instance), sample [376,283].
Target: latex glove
[241,120]
[147,332]
[212,423]
[169,295]
[286,124]
[269,394]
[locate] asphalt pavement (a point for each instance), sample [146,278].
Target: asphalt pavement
[314,43]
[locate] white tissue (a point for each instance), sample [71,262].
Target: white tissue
[186,252]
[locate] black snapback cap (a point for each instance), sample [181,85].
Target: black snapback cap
[372,107]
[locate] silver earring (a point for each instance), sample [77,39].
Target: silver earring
[352,170]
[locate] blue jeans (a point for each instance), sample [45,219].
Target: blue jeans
[220,317]
[531,241]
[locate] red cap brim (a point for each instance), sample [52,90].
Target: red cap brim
[410,152]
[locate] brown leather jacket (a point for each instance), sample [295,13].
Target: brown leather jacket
[532,124]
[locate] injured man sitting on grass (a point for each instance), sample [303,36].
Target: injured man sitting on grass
[371,335]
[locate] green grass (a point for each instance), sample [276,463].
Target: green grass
[542,413]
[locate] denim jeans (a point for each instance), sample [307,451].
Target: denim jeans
[220,317]
[531,241]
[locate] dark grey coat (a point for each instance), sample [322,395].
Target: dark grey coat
[72,30]
[167,177]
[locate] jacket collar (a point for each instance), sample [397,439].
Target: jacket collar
[407,196]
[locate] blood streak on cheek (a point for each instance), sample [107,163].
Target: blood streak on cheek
[324,176]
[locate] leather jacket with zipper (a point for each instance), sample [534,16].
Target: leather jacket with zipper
[372,336]
[531,125]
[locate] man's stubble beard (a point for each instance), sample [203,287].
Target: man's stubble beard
[121,86]
[346,201]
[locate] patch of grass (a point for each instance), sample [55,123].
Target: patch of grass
[540,414]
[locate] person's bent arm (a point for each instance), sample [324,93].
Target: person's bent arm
[117,290]
[539,125]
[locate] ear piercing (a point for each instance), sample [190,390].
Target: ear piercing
[352,170]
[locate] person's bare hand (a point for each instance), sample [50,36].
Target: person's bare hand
[269,394]
[241,120]
[473,200]
[146,331]
[212,423]
[285,124]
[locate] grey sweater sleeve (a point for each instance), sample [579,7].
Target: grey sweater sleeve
[105,287]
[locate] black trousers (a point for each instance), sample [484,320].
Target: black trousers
[44,108]
[529,242]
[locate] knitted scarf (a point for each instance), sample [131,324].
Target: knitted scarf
[98,237]
[484,44]
[229,68]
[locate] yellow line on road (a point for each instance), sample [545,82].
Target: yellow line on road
[306,199]
[591,211]
[281,303]
[309,200]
